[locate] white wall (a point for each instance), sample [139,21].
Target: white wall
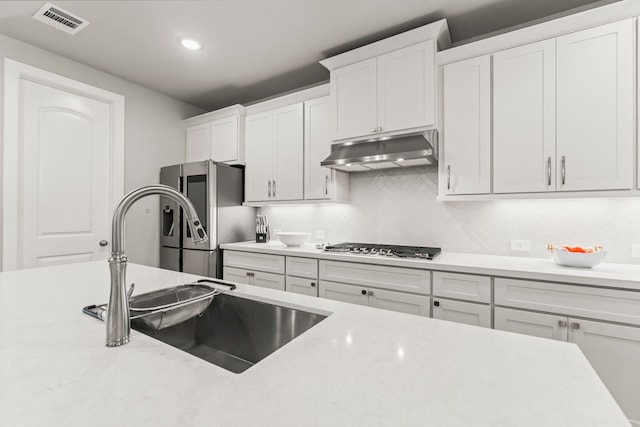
[154,136]
[399,207]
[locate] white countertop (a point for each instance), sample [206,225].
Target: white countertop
[359,367]
[624,276]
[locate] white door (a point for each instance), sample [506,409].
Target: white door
[344,293]
[595,106]
[317,146]
[259,157]
[399,301]
[467,127]
[614,352]
[534,324]
[199,142]
[63,168]
[288,176]
[462,312]
[524,118]
[353,89]
[406,88]
[224,139]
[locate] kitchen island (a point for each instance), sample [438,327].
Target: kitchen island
[360,366]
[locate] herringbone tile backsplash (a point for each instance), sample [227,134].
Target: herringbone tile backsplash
[399,206]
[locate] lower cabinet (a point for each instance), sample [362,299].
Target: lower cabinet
[613,350]
[300,285]
[379,298]
[462,312]
[255,278]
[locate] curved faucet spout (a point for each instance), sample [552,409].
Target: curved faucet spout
[118,316]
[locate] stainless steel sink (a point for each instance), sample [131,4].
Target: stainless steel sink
[235,333]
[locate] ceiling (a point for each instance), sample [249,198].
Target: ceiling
[253,49]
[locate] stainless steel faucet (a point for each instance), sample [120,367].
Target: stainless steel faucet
[118,317]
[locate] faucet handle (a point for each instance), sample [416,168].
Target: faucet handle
[130,292]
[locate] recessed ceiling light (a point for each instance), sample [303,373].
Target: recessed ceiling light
[190,43]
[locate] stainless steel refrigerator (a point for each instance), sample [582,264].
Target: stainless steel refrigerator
[216,191]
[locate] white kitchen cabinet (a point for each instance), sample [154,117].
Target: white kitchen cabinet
[274,155]
[254,261]
[524,118]
[528,323]
[255,278]
[300,285]
[466,165]
[391,92]
[378,298]
[462,312]
[595,108]
[320,183]
[468,287]
[218,135]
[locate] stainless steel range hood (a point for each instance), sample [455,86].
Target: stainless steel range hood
[386,152]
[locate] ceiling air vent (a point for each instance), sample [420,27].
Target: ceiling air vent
[60,19]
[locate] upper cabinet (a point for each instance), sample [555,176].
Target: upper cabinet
[466,161]
[595,102]
[389,93]
[562,116]
[386,87]
[218,135]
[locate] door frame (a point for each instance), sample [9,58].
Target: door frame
[14,73]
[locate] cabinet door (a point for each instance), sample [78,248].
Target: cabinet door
[302,286]
[344,293]
[225,139]
[317,146]
[406,88]
[534,324]
[353,89]
[237,275]
[595,102]
[259,157]
[398,301]
[524,117]
[199,142]
[302,267]
[288,178]
[462,312]
[614,352]
[467,127]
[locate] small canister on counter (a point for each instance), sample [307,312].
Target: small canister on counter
[262,229]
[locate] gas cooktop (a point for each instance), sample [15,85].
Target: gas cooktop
[414,252]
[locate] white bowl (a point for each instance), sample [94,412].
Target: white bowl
[293,238]
[578,259]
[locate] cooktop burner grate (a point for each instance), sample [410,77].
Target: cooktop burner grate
[414,252]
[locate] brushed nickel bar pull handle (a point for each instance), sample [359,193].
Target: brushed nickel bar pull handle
[562,323]
[448,177]
[274,188]
[564,170]
[549,171]
[250,274]
[575,325]
[326,185]
[269,189]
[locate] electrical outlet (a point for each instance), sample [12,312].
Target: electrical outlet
[635,251]
[520,245]
[319,235]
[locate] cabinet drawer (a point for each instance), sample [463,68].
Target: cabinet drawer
[571,300]
[462,286]
[344,293]
[254,261]
[535,324]
[255,278]
[400,302]
[393,278]
[302,267]
[299,285]
[462,312]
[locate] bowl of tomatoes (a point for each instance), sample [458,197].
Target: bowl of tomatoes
[577,256]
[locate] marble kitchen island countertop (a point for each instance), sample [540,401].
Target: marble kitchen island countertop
[359,367]
[623,276]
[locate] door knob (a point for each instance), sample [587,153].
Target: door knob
[103,243]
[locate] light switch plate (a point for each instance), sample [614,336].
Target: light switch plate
[520,245]
[635,251]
